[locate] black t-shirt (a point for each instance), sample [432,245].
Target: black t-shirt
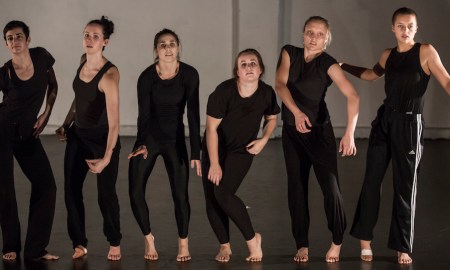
[162,104]
[241,117]
[22,100]
[308,83]
[405,80]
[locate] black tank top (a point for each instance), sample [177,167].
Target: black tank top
[90,103]
[405,81]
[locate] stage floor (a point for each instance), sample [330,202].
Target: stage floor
[264,191]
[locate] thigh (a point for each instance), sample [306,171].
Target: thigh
[235,167]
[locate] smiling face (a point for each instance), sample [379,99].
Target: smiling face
[315,36]
[167,48]
[93,38]
[405,28]
[16,40]
[249,69]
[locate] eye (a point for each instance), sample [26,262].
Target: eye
[96,37]
[173,45]
[9,38]
[86,35]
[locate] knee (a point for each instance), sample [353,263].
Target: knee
[222,196]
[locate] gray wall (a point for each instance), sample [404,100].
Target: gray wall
[213,31]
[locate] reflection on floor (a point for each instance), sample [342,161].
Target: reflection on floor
[264,191]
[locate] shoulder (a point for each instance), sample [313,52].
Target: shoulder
[188,70]
[328,58]
[266,88]
[224,88]
[42,55]
[427,49]
[148,72]
[112,74]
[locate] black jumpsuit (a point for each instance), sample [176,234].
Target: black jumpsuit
[308,83]
[397,134]
[22,101]
[87,139]
[161,130]
[241,120]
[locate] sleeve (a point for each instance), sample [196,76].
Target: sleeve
[46,57]
[292,52]
[193,112]
[327,62]
[217,103]
[3,74]
[272,104]
[144,87]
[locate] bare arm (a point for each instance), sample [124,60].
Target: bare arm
[369,74]
[256,146]
[212,143]
[347,145]
[281,78]
[52,92]
[434,65]
[109,84]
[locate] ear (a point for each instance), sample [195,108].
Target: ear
[28,40]
[393,28]
[105,42]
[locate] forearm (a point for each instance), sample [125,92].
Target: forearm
[286,98]
[212,143]
[269,127]
[113,134]
[364,73]
[352,114]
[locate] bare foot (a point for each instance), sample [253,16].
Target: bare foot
[10,256]
[366,251]
[79,252]
[150,248]
[254,247]
[224,254]
[333,253]
[183,250]
[302,255]
[114,253]
[404,258]
[49,257]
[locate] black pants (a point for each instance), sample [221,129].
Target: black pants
[177,165]
[221,201]
[301,151]
[82,145]
[33,161]
[397,136]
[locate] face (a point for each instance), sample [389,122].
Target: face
[167,48]
[248,68]
[16,40]
[405,28]
[93,39]
[315,36]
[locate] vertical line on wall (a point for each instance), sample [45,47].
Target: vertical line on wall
[235,30]
[284,22]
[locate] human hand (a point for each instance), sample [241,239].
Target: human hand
[215,174]
[302,123]
[61,133]
[195,163]
[347,146]
[97,165]
[40,124]
[256,146]
[141,150]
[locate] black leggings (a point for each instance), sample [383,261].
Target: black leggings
[177,165]
[34,163]
[301,151]
[221,201]
[90,144]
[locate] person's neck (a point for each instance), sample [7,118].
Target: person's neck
[95,61]
[167,70]
[404,47]
[22,60]
[247,89]
[311,54]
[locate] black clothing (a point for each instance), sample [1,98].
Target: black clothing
[90,104]
[161,129]
[397,134]
[22,101]
[162,104]
[241,120]
[308,83]
[90,143]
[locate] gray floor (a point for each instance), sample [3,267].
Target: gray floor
[264,191]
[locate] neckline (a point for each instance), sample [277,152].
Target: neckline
[238,91]
[15,74]
[95,76]
[175,74]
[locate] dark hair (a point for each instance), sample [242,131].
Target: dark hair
[403,11]
[247,52]
[161,33]
[107,26]
[327,24]
[16,24]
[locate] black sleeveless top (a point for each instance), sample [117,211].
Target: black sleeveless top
[308,83]
[405,81]
[90,103]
